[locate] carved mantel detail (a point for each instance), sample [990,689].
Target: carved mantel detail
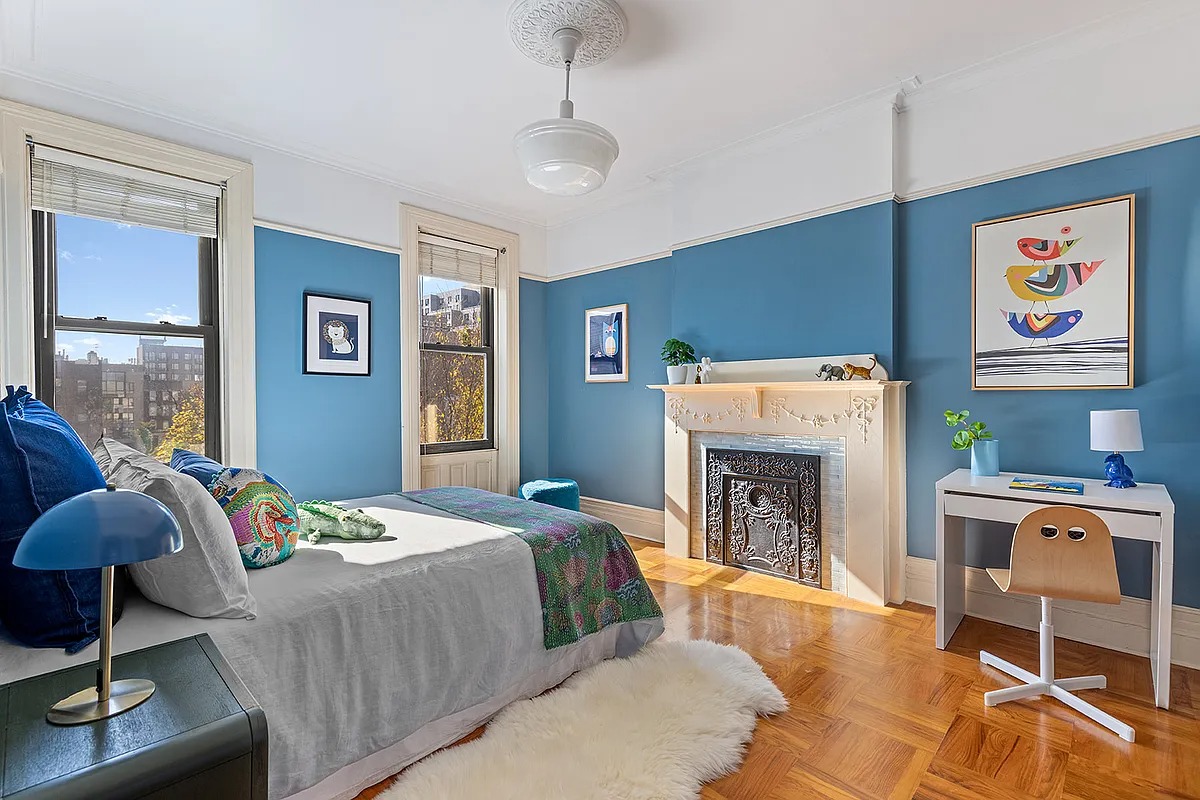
[679,409]
[859,411]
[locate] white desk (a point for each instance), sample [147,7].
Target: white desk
[1145,512]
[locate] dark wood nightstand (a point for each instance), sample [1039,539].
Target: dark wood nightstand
[200,736]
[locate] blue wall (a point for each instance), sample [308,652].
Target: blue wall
[1048,431]
[895,280]
[325,436]
[816,287]
[608,436]
[535,390]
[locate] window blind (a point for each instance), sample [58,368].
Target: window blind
[71,183]
[458,261]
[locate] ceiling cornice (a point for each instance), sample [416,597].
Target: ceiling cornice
[17,37]
[312,155]
[1138,20]
[904,96]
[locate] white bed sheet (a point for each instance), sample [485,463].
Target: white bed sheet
[366,656]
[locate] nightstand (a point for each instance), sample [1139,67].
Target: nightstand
[200,736]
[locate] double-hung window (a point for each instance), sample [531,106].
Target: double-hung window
[457,297]
[125,291]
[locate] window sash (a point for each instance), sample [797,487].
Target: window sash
[48,323]
[71,183]
[489,371]
[487,350]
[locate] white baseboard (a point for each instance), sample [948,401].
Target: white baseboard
[1125,627]
[637,521]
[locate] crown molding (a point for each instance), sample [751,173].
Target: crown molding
[313,155]
[1139,20]
[1053,163]
[905,96]
[911,93]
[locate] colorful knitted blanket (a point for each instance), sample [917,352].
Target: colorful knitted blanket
[587,575]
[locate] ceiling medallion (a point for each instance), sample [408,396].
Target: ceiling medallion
[564,155]
[533,23]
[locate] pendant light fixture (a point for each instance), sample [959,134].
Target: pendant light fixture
[564,155]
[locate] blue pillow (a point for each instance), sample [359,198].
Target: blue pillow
[43,462]
[202,468]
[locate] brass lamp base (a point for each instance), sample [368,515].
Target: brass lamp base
[83,706]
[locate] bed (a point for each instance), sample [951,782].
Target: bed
[368,655]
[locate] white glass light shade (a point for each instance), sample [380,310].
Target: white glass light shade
[565,156]
[1117,431]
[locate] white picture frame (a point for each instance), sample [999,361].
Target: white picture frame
[606,344]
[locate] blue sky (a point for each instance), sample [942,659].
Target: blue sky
[132,273]
[124,272]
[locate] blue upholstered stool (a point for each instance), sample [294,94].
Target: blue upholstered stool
[561,492]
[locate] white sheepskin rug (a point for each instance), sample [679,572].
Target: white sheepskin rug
[652,727]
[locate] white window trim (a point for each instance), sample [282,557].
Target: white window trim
[413,222]
[236,303]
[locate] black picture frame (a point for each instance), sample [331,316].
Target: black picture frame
[323,360]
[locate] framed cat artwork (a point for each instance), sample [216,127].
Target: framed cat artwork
[606,340]
[337,335]
[1052,298]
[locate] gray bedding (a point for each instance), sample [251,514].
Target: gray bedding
[398,645]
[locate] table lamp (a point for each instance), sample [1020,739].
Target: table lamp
[1116,431]
[101,528]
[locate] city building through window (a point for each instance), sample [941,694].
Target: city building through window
[456,365]
[120,308]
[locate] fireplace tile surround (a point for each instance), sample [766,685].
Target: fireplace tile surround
[832,452]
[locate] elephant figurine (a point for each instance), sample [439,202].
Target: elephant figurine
[831,372]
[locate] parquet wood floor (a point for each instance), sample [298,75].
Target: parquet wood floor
[877,712]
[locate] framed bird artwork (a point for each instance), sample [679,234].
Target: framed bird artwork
[1052,298]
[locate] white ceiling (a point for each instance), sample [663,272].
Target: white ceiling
[428,93]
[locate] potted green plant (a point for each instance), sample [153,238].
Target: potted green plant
[974,436]
[677,355]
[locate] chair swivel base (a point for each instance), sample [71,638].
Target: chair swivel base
[83,706]
[1060,689]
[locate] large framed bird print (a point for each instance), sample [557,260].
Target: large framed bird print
[1052,298]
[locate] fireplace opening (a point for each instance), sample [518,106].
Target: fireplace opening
[763,512]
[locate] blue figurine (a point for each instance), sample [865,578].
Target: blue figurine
[1119,475]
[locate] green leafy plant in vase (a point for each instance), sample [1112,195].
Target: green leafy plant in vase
[974,436]
[677,355]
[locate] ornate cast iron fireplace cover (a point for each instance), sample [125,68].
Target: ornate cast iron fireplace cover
[763,512]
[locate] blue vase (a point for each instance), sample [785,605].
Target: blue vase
[985,458]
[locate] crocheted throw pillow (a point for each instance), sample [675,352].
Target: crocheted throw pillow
[261,512]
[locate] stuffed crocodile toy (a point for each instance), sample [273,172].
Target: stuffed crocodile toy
[322,518]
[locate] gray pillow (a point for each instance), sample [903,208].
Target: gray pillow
[204,579]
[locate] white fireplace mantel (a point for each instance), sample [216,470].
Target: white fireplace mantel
[868,414]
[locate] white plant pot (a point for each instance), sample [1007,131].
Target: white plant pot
[677,375]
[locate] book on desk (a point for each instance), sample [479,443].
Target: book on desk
[1045,485]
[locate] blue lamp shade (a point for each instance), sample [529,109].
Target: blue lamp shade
[100,528]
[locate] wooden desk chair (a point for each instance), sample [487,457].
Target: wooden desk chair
[1067,553]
